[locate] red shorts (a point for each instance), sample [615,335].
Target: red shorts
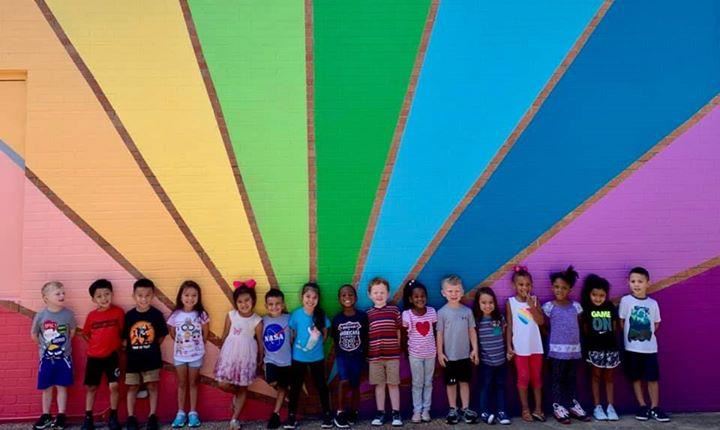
[529,370]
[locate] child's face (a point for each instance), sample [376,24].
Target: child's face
[523,286]
[418,298]
[102,298]
[487,304]
[638,285]
[597,296]
[310,299]
[143,296]
[189,298]
[453,293]
[55,297]
[274,305]
[347,297]
[379,294]
[561,289]
[244,304]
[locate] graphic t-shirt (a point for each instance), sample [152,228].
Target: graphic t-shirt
[640,316]
[350,334]
[308,346]
[383,326]
[143,332]
[53,331]
[455,324]
[421,335]
[564,330]
[492,341]
[599,322]
[189,342]
[276,338]
[103,330]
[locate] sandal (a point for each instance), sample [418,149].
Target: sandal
[235,425]
[526,416]
[539,416]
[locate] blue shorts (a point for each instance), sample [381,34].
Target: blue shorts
[55,371]
[350,368]
[191,364]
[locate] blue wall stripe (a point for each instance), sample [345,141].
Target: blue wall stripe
[14,156]
[479,77]
[648,67]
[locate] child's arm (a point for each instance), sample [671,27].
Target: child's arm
[226,329]
[474,357]
[442,358]
[171,330]
[508,331]
[205,331]
[260,344]
[535,310]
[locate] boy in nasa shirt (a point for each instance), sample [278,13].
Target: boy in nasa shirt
[278,350]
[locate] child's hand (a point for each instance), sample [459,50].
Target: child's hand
[510,354]
[533,301]
[474,357]
[442,358]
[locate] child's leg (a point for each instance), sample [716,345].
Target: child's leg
[61,398]
[452,395]
[597,374]
[114,395]
[317,371]
[465,395]
[654,391]
[522,365]
[380,396]
[279,400]
[193,373]
[417,370]
[499,377]
[556,385]
[486,384]
[239,401]
[298,375]
[152,388]
[571,381]
[181,373]
[394,391]
[639,395]
[355,398]
[536,362]
[609,386]
[131,397]
[341,395]
[90,391]
[429,370]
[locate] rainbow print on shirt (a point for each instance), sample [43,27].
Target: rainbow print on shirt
[524,315]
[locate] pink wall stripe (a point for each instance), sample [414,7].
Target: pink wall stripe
[11,218]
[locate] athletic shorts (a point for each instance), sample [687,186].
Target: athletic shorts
[458,371]
[98,366]
[278,376]
[55,371]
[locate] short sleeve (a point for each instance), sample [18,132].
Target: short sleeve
[623,311]
[327,322]
[35,326]
[433,315]
[398,320]
[406,319]
[471,319]
[171,319]
[292,322]
[72,322]
[160,326]
[88,323]
[440,322]
[547,308]
[657,313]
[204,318]
[578,307]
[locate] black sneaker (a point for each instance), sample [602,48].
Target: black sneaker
[131,423]
[88,423]
[452,416]
[379,419]
[487,418]
[470,416]
[274,421]
[152,423]
[113,423]
[44,422]
[327,422]
[659,415]
[291,422]
[396,419]
[341,421]
[643,413]
[59,423]
[352,417]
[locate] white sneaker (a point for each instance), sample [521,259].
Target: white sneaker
[599,414]
[425,416]
[611,414]
[416,417]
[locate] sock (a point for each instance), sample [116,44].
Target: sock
[88,414]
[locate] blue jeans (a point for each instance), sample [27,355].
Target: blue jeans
[493,384]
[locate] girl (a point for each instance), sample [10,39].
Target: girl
[309,330]
[188,326]
[419,320]
[564,315]
[491,333]
[242,347]
[524,343]
[599,322]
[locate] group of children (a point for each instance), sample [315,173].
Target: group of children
[287,346]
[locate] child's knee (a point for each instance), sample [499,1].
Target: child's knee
[152,387]
[91,388]
[114,387]
[133,388]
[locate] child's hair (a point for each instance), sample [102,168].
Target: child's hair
[318,314]
[593,282]
[408,290]
[143,283]
[347,286]
[569,275]
[495,315]
[274,292]
[519,271]
[378,280]
[99,284]
[199,308]
[244,287]
[451,280]
[640,271]
[52,285]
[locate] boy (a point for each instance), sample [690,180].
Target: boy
[640,319]
[103,332]
[384,324]
[278,352]
[143,333]
[52,329]
[349,330]
[457,348]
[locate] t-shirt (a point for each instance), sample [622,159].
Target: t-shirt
[421,335]
[599,322]
[350,334]
[276,338]
[308,346]
[384,324]
[455,323]
[143,332]
[526,338]
[103,330]
[189,342]
[492,342]
[564,330]
[640,316]
[53,330]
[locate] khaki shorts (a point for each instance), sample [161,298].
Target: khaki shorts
[136,378]
[385,372]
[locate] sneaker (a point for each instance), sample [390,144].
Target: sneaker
[643,413]
[352,417]
[503,418]
[179,420]
[487,418]
[327,422]
[88,422]
[599,413]
[416,418]
[659,415]
[470,416]
[193,419]
[341,421]
[379,419]
[561,414]
[113,422]
[452,416]
[274,421]
[611,414]
[45,421]
[235,425]
[425,416]
[59,423]
[152,423]
[396,419]
[291,422]
[577,412]
[132,423]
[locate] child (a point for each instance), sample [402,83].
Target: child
[143,332]
[278,350]
[236,366]
[384,351]
[309,330]
[103,331]
[640,319]
[564,348]
[419,320]
[599,327]
[188,326]
[491,333]
[350,331]
[52,329]
[457,348]
[524,342]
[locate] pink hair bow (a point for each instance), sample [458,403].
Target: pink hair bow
[250,283]
[519,268]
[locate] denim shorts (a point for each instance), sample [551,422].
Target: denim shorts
[191,364]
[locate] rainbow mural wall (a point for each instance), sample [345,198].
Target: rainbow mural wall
[290,140]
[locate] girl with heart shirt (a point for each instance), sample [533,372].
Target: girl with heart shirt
[419,321]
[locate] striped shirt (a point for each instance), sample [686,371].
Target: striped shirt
[492,343]
[421,334]
[384,324]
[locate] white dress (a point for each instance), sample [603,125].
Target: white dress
[237,362]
